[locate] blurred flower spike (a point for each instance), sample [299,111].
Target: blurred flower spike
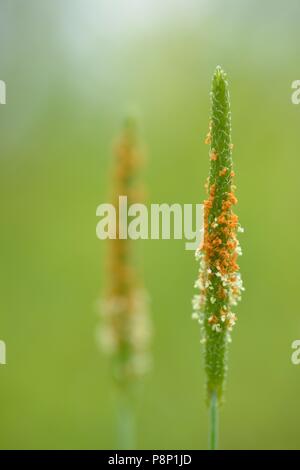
[125,331]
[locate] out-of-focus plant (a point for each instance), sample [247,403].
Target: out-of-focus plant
[126,329]
[219,282]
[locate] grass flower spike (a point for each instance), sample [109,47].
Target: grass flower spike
[219,283]
[125,331]
[125,334]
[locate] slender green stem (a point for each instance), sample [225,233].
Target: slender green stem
[126,422]
[213,437]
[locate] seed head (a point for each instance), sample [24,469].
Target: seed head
[219,279]
[125,331]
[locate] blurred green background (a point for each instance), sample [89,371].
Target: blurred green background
[71,68]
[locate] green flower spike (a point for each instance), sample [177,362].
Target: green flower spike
[219,282]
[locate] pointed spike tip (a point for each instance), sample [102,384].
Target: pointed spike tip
[219,74]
